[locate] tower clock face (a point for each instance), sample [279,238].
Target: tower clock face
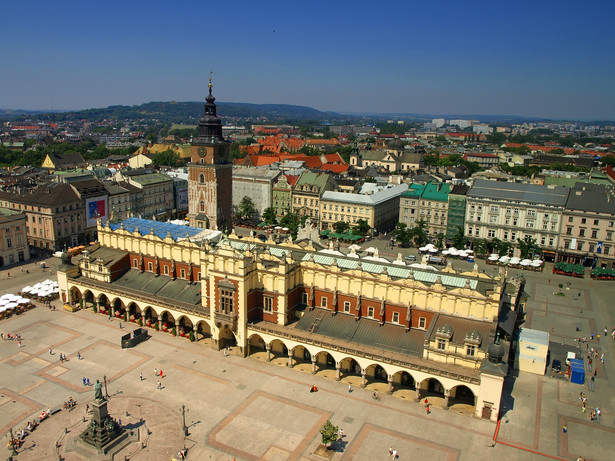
[202,151]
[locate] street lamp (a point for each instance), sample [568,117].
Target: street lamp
[105,380]
[184,420]
[13,450]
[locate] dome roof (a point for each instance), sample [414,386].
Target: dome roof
[396,144]
[496,353]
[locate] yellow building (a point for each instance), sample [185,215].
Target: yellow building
[411,333]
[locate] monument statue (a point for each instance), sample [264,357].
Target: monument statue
[98,390]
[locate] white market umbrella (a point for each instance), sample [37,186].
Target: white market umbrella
[494,257]
[433,250]
[26,289]
[423,248]
[453,252]
[23,301]
[462,254]
[536,263]
[445,252]
[525,262]
[539,261]
[4,302]
[354,247]
[11,306]
[515,260]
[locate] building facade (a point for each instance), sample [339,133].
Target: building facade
[588,227]
[282,192]
[511,211]
[13,238]
[421,333]
[256,183]
[55,215]
[379,209]
[307,192]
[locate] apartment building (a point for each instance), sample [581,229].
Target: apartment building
[511,211]
[588,226]
[307,192]
[256,183]
[13,237]
[380,207]
[426,202]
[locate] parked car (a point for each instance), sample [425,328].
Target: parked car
[556,366]
[437,260]
[410,258]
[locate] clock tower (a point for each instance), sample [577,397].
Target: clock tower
[210,174]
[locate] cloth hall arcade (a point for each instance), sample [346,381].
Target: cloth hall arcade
[431,333]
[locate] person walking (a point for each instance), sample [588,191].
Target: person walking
[155,372]
[160,374]
[141,376]
[349,388]
[565,429]
[78,355]
[50,351]
[159,385]
[84,381]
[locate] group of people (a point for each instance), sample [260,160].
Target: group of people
[86,381]
[68,405]
[19,437]
[10,337]
[393,453]
[594,414]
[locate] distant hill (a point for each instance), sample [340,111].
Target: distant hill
[182,112]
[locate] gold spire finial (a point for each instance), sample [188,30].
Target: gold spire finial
[210,85]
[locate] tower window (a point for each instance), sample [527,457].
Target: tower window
[202,178]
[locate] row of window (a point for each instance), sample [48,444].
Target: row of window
[592,247]
[594,233]
[442,345]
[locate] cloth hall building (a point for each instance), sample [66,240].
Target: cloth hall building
[422,333]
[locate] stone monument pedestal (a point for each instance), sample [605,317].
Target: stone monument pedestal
[103,434]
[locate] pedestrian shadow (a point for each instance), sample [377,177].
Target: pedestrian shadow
[339,445]
[194,423]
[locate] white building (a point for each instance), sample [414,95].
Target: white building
[510,211]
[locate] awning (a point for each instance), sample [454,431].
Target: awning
[507,320]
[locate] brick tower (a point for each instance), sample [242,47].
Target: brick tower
[210,174]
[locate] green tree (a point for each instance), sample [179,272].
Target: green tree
[608,160]
[269,215]
[341,226]
[480,246]
[362,228]
[329,433]
[418,234]
[167,157]
[291,221]
[402,234]
[527,246]
[440,241]
[247,209]
[459,240]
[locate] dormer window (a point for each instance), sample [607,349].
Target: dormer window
[472,342]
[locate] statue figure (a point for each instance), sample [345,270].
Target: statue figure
[98,390]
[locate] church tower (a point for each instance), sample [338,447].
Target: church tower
[210,174]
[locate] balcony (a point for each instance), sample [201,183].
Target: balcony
[223,319]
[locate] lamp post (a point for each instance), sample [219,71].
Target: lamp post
[105,381]
[13,450]
[184,420]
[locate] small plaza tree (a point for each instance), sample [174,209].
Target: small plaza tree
[329,433]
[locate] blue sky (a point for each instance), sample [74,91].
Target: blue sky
[543,59]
